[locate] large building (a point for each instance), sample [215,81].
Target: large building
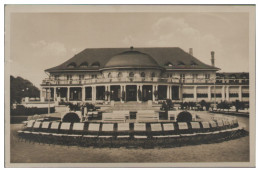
[101,75]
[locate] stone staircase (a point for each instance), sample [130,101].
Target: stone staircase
[134,106]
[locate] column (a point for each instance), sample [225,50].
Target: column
[137,94]
[168,91]
[154,88]
[240,93]
[108,89]
[223,93]
[227,93]
[83,93]
[93,94]
[54,93]
[180,93]
[41,93]
[209,93]
[68,93]
[195,93]
[170,96]
[121,93]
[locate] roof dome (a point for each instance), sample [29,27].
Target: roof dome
[130,59]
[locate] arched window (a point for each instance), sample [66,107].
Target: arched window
[192,63]
[180,63]
[95,64]
[83,65]
[142,74]
[153,75]
[131,74]
[72,65]
[109,75]
[119,74]
[169,64]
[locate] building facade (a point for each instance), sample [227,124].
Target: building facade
[141,74]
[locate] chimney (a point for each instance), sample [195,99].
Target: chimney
[191,51]
[212,58]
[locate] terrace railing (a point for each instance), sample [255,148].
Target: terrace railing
[145,79]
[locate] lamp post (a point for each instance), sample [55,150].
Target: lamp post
[49,95]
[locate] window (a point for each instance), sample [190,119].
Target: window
[193,63]
[195,76]
[142,74]
[56,77]
[180,63]
[69,77]
[233,94]
[202,95]
[94,76]
[131,74]
[169,64]
[184,95]
[109,75]
[83,65]
[71,65]
[182,77]
[207,76]
[153,75]
[95,64]
[81,77]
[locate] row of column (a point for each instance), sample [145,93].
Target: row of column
[107,88]
[224,93]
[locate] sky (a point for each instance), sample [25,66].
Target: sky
[39,41]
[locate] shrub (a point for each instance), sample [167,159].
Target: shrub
[24,111]
[184,117]
[71,117]
[167,105]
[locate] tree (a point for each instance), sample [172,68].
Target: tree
[184,117]
[223,105]
[167,105]
[239,105]
[20,88]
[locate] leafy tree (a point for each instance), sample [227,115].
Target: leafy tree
[20,88]
[184,117]
[167,105]
[239,105]
[223,105]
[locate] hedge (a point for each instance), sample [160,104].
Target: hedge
[24,111]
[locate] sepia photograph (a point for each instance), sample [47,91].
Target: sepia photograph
[130,85]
